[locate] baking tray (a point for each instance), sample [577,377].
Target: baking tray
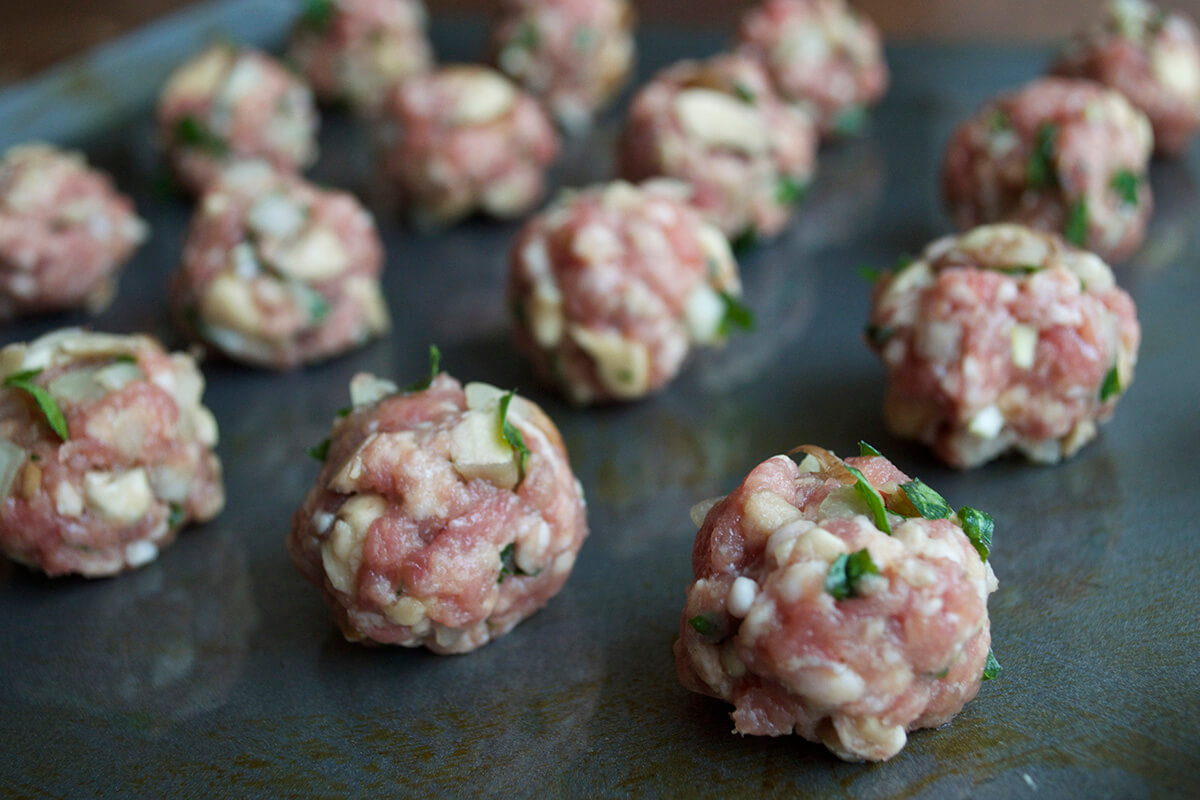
[216,671]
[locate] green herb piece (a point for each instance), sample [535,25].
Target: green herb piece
[1125,183]
[193,133]
[902,263]
[850,121]
[789,191]
[176,516]
[998,121]
[746,240]
[1076,229]
[978,526]
[878,335]
[584,38]
[435,366]
[868,273]
[320,452]
[942,674]
[737,315]
[1112,384]
[508,564]
[23,381]
[164,186]
[703,625]
[1019,269]
[528,37]
[344,412]
[992,669]
[1040,172]
[847,571]
[928,503]
[317,14]
[744,93]
[318,307]
[125,358]
[511,434]
[865,449]
[873,499]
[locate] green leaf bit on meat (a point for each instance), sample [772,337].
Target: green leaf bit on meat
[1111,386]
[928,503]
[318,307]
[992,669]
[847,571]
[878,335]
[1076,229]
[737,315]
[703,625]
[508,564]
[865,449]
[873,499]
[1019,269]
[1040,171]
[789,191]
[978,526]
[850,121]
[528,37]
[320,452]
[435,366]
[744,93]
[317,14]
[1125,183]
[511,434]
[746,240]
[191,132]
[176,516]
[23,381]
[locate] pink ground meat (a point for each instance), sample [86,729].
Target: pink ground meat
[573,55]
[1150,56]
[353,51]
[461,139]
[426,527]
[852,663]
[1003,339]
[227,104]
[719,126]
[64,232]
[821,54]
[1059,155]
[136,462]
[278,272]
[611,286]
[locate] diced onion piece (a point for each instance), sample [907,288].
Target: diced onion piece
[121,497]
[987,423]
[1024,345]
[366,389]
[700,510]
[478,451]
[11,460]
[76,386]
[721,120]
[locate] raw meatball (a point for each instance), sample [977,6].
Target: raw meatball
[227,104]
[278,272]
[64,232]
[719,126]
[1002,339]
[442,516]
[105,452]
[821,54]
[808,616]
[1151,57]
[1059,155]
[573,55]
[465,138]
[612,285]
[353,51]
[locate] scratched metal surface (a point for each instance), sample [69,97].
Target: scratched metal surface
[216,670]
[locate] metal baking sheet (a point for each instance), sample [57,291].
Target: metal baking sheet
[217,671]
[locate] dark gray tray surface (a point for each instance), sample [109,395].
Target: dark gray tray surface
[217,670]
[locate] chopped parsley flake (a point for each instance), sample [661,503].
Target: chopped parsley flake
[317,14]
[435,366]
[744,93]
[528,37]
[23,381]
[850,121]
[703,625]
[868,273]
[847,571]
[928,503]
[789,191]
[511,434]
[879,334]
[865,449]
[1076,229]
[1019,269]
[998,121]
[194,133]
[1111,386]
[176,516]
[992,669]
[508,564]
[746,240]
[737,315]
[318,307]
[320,452]
[1040,171]
[1125,183]
[873,499]
[125,358]
[344,412]
[978,526]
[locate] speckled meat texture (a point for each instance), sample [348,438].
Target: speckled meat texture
[227,104]
[425,528]
[64,232]
[353,51]
[573,55]
[821,54]
[135,466]
[905,650]
[1003,339]
[278,272]
[1150,56]
[463,139]
[1060,155]
[611,287]
[719,126]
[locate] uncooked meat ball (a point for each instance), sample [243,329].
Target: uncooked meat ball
[464,138]
[573,55]
[228,104]
[1002,339]
[278,272]
[105,452]
[1150,56]
[64,232]
[353,51]
[1060,155]
[839,600]
[611,287]
[443,515]
[821,54]
[719,126]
